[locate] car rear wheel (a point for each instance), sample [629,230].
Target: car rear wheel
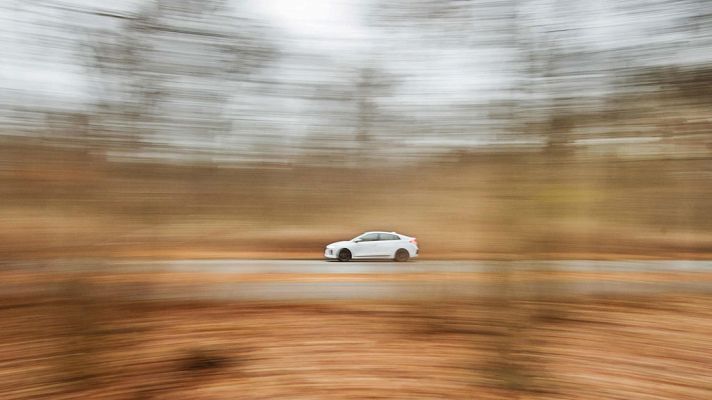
[344,255]
[402,255]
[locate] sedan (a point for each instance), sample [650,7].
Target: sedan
[374,245]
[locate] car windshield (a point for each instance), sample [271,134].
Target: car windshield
[367,237]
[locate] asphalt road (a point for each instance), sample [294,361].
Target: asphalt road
[320,266]
[414,266]
[328,280]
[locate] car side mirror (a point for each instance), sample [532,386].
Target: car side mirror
[358,240]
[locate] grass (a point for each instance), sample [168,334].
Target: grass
[58,203]
[97,340]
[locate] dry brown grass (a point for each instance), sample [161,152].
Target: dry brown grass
[62,203]
[97,339]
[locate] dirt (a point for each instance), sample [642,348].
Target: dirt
[85,343]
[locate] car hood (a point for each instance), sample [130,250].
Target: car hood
[340,244]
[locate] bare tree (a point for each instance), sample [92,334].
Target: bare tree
[167,72]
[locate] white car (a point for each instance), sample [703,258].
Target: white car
[390,245]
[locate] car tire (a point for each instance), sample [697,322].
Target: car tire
[344,255]
[402,255]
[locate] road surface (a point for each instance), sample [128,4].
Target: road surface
[324,280]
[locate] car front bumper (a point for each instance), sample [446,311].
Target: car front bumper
[330,253]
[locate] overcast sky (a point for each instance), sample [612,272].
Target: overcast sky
[336,28]
[40,66]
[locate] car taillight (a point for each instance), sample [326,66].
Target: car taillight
[414,241]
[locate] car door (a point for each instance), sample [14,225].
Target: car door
[387,244]
[366,245]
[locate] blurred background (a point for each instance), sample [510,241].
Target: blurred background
[488,129]
[153,130]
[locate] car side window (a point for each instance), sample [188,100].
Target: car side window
[387,236]
[371,237]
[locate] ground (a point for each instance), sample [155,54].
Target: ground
[128,336]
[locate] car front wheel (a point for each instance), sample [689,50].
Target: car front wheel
[344,255]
